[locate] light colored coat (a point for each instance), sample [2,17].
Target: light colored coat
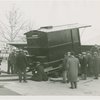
[72,64]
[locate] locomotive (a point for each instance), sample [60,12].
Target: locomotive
[49,44]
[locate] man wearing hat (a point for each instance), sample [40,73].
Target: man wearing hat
[21,64]
[84,66]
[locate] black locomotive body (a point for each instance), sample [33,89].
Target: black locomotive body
[48,45]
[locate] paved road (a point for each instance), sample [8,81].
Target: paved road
[5,91]
[89,87]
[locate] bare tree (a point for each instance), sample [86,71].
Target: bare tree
[13,26]
[29,26]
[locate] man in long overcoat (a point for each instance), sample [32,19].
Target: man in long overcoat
[90,64]
[84,66]
[72,65]
[80,57]
[96,64]
[21,64]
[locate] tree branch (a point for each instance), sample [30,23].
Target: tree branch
[4,35]
[17,31]
[14,26]
[3,41]
[5,27]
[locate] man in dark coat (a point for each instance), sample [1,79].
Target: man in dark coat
[96,64]
[21,64]
[72,65]
[84,66]
[39,74]
[80,57]
[90,64]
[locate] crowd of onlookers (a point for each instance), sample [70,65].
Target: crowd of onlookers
[85,64]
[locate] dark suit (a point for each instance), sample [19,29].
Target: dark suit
[40,75]
[90,65]
[96,66]
[21,64]
[84,67]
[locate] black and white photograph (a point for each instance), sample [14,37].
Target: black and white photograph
[49,48]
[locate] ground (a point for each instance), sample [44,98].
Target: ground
[89,87]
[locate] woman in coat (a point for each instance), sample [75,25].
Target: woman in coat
[73,65]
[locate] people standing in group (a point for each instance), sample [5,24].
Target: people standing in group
[72,67]
[11,62]
[65,74]
[95,48]
[21,64]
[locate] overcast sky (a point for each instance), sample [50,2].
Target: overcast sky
[59,12]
